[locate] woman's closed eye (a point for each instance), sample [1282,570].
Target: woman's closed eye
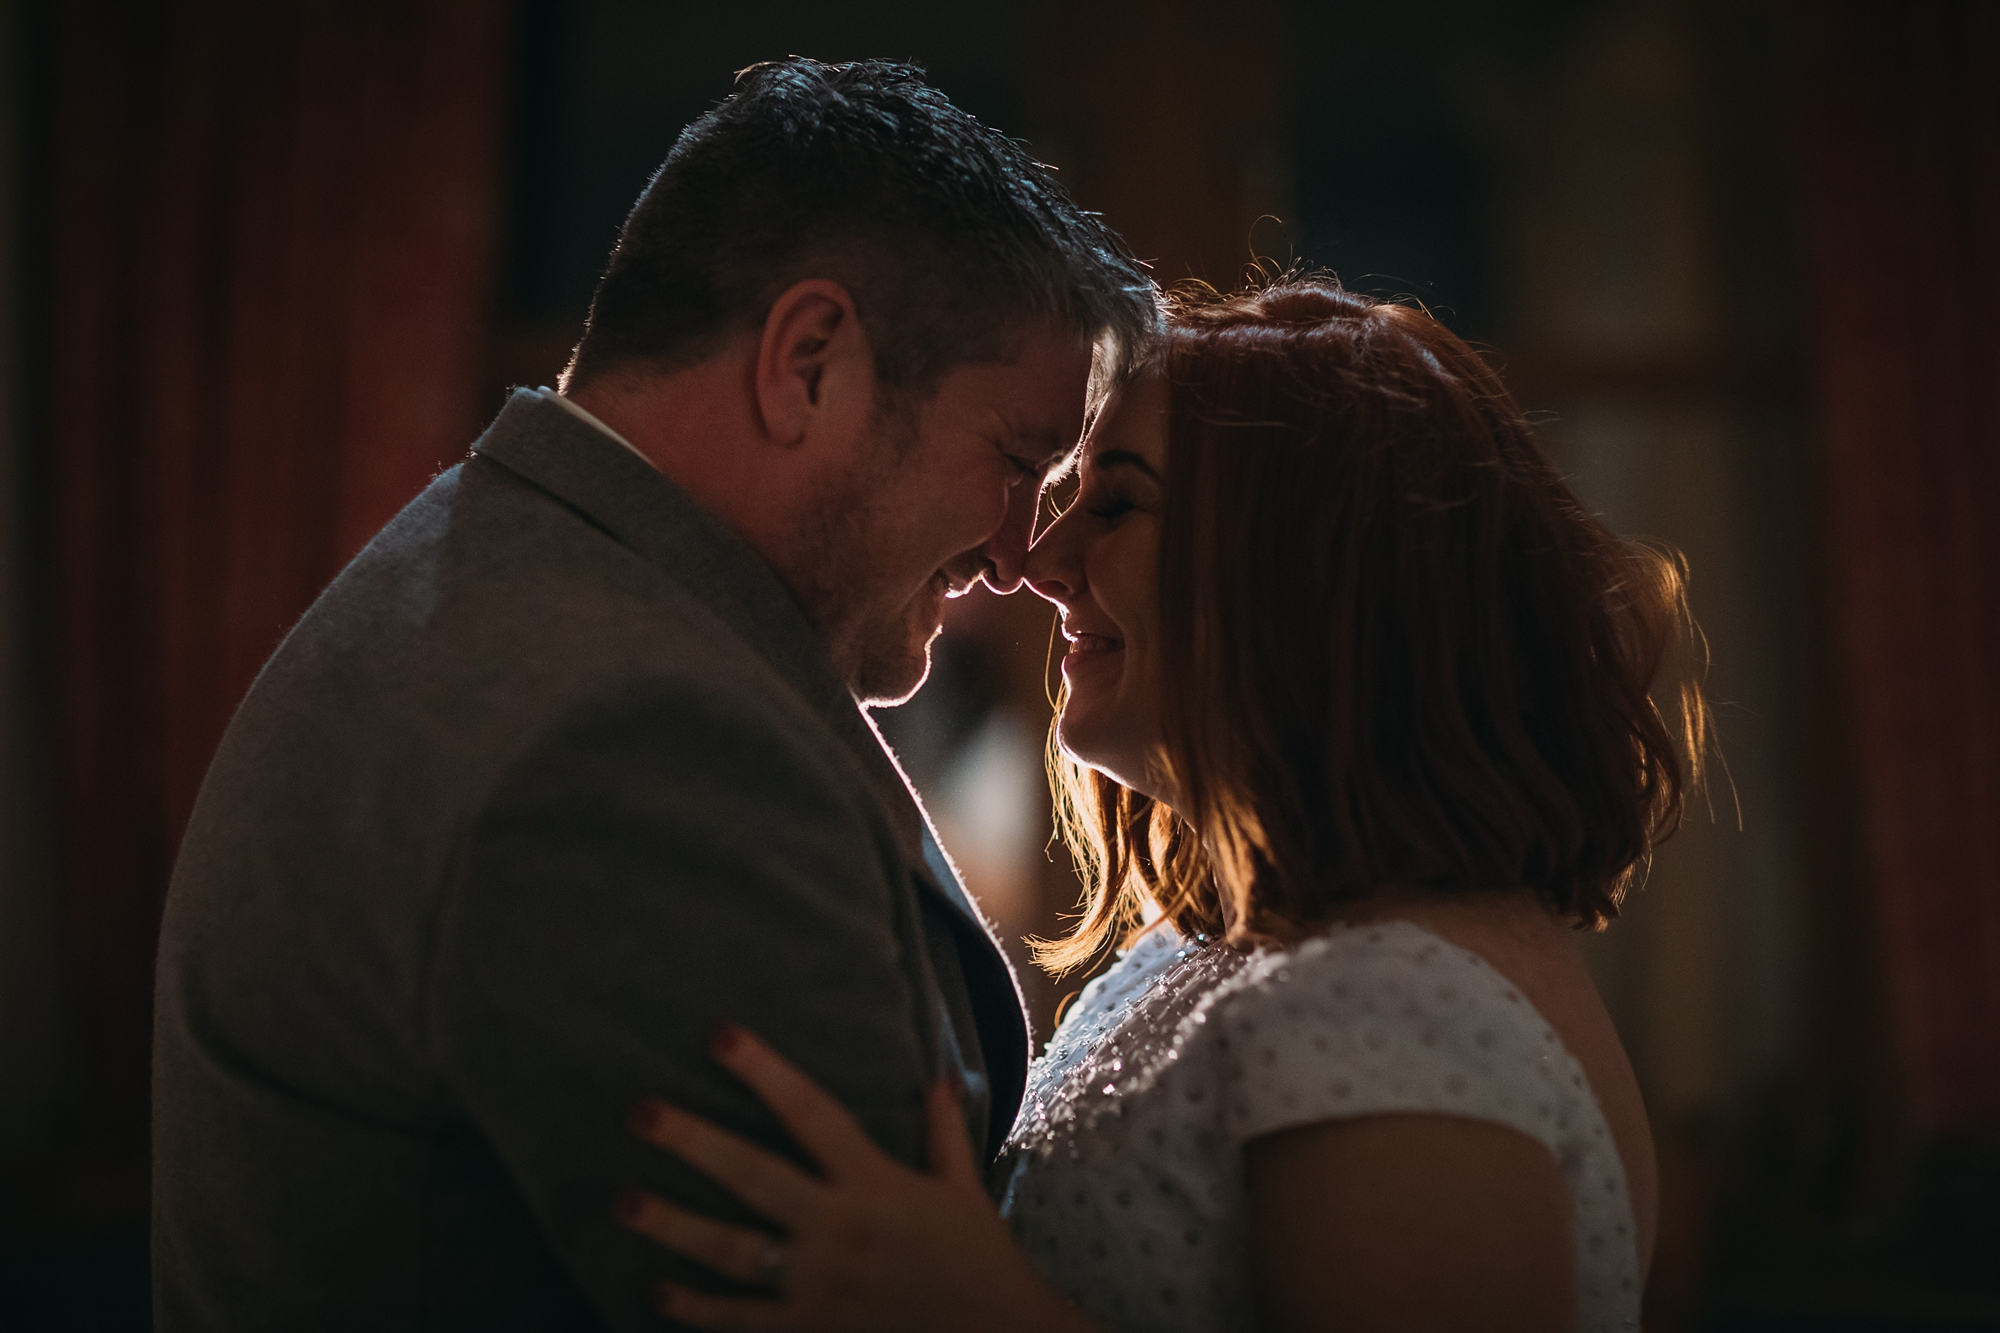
[1109,507]
[1110,498]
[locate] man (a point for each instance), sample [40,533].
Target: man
[567,767]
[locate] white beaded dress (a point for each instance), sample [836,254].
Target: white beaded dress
[1124,1175]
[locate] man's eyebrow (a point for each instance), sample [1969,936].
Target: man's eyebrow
[1070,462]
[1054,448]
[1111,458]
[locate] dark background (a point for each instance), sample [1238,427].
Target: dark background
[267,267]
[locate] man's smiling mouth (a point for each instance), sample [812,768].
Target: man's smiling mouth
[950,586]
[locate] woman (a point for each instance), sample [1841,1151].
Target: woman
[1358,715]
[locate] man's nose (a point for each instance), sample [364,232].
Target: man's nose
[1006,551]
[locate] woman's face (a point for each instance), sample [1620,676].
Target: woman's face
[1098,563]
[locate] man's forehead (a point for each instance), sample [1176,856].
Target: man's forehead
[1043,439]
[1051,363]
[1037,399]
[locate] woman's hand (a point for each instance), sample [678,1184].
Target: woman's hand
[869,1244]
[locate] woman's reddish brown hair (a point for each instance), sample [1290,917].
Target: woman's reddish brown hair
[1405,655]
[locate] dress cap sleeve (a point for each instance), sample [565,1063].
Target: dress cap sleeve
[1379,1020]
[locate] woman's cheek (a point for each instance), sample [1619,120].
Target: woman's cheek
[1127,578]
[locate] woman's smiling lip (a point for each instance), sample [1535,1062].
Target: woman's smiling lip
[1082,642]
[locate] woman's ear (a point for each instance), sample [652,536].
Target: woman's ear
[814,368]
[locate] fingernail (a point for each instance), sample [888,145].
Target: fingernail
[725,1039]
[630,1205]
[663,1298]
[644,1118]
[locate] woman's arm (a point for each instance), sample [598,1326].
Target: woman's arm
[1398,1223]
[868,1244]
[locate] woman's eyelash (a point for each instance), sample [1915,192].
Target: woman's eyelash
[1110,506]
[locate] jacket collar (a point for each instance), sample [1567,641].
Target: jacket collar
[618,491]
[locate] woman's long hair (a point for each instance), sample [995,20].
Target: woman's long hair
[1402,653]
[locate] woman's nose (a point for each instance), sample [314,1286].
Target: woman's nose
[1050,569]
[1052,590]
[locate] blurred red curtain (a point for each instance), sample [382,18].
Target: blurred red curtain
[1899,128]
[271,238]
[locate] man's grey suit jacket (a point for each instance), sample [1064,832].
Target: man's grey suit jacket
[554,778]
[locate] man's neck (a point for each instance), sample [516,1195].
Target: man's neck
[699,427]
[687,422]
[591,419]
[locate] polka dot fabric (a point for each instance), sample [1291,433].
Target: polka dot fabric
[1124,1173]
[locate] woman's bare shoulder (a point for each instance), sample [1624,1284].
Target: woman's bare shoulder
[1537,951]
[1353,1222]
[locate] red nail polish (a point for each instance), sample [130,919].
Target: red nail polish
[630,1205]
[724,1040]
[663,1298]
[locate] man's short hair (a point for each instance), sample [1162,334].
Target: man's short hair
[950,238]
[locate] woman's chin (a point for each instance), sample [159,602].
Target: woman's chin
[1084,738]
[1073,734]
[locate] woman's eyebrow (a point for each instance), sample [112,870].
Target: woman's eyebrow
[1111,458]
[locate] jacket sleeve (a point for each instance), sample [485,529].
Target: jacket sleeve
[660,863]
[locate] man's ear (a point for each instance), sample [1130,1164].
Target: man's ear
[814,366]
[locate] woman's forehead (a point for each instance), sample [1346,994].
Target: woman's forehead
[1134,421]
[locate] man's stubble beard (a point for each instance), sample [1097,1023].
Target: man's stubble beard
[891,663]
[874,648]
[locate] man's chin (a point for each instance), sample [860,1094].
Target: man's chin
[893,668]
